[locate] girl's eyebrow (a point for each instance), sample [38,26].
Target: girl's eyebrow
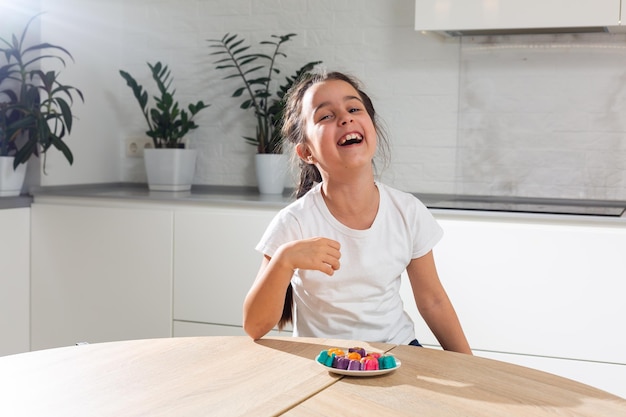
[327,103]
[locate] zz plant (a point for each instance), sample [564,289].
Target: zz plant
[167,122]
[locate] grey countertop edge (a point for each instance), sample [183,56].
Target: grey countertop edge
[21,201]
[139,192]
[249,196]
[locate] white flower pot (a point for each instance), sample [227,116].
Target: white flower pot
[271,171]
[11,181]
[170,169]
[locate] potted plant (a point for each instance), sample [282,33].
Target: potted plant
[256,71]
[170,165]
[35,107]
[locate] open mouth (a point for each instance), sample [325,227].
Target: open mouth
[350,139]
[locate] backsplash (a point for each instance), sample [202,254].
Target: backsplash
[543,116]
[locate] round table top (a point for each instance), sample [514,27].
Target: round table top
[238,376]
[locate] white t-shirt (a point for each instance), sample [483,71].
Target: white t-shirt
[361,301]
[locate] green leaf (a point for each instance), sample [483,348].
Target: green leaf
[23,154]
[66,113]
[62,146]
[251,141]
[238,92]
[226,39]
[247,61]
[240,50]
[236,44]
[248,71]
[224,60]
[262,80]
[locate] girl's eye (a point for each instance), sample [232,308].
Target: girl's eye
[354,110]
[325,117]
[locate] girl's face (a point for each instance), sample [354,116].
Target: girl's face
[339,132]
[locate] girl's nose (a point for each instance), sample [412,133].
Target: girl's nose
[345,119]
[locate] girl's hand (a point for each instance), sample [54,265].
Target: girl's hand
[318,253]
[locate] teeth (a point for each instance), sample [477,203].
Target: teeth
[351,136]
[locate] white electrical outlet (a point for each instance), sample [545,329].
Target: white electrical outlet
[135,146]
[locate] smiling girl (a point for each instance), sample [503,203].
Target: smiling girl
[333,259]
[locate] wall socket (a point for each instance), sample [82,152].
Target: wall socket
[135,146]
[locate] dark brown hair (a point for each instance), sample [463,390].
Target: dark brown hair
[293,132]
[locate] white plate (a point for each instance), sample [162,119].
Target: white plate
[359,373]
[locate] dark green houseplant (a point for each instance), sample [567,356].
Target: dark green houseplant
[255,71]
[167,122]
[35,107]
[171,164]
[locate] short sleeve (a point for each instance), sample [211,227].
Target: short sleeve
[428,231]
[283,228]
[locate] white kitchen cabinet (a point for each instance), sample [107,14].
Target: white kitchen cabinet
[536,288]
[453,15]
[100,274]
[14,280]
[215,261]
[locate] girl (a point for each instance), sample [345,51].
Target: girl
[335,255]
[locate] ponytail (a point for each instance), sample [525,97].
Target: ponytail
[309,176]
[287,316]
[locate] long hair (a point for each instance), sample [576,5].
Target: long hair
[293,132]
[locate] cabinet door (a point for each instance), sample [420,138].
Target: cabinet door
[100,274]
[215,262]
[439,15]
[14,280]
[536,288]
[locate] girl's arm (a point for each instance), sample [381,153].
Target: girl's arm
[434,305]
[264,302]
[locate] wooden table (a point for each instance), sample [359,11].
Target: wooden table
[236,376]
[436,383]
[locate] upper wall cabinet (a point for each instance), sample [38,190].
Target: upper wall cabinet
[458,16]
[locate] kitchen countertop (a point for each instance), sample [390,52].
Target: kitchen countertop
[249,196]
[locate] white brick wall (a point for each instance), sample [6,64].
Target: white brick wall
[528,115]
[413,79]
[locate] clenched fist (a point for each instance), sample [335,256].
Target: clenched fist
[317,253]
